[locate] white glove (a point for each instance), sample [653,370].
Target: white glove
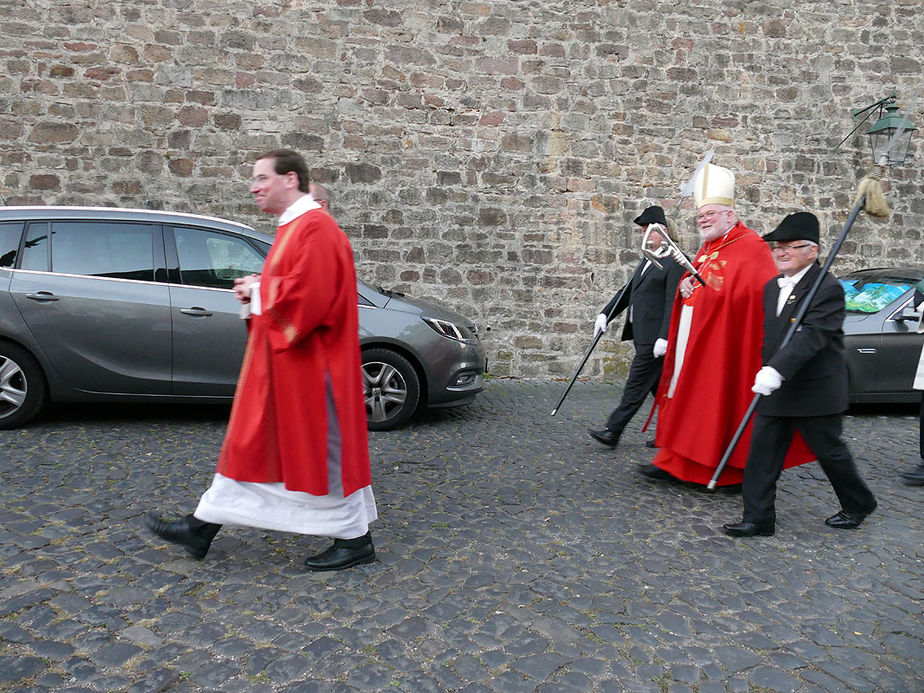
[600,325]
[660,348]
[767,381]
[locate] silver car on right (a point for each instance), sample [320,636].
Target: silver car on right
[880,335]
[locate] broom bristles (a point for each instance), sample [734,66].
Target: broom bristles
[871,186]
[672,229]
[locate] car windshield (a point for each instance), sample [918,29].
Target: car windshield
[870,293]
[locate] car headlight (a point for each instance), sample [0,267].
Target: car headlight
[451,330]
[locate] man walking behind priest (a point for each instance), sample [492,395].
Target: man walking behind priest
[804,385]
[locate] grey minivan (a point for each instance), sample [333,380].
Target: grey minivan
[102,304]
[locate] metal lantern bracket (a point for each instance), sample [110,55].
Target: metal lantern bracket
[857,112]
[890,136]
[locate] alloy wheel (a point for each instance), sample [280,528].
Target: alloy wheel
[13,387]
[385,390]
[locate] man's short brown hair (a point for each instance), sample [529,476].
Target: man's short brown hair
[287,161]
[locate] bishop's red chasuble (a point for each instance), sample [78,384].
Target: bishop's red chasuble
[722,356]
[306,337]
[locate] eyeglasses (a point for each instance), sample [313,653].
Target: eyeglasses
[706,216]
[790,248]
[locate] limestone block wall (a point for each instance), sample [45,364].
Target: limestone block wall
[489,155]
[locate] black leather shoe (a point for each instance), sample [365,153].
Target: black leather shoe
[650,443]
[914,477]
[343,554]
[749,529]
[846,520]
[192,534]
[606,436]
[649,471]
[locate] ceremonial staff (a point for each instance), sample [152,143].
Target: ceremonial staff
[667,249]
[590,348]
[871,199]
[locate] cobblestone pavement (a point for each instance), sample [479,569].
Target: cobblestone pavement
[515,554]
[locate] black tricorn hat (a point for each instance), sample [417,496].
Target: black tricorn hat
[799,226]
[651,215]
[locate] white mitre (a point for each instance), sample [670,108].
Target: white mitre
[714,185]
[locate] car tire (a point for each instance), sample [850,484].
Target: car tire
[22,386]
[391,389]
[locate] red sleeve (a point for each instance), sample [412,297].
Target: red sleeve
[304,283]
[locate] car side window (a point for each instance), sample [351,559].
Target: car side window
[10,231]
[35,249]
[871,295]
[117,250]
[214,259]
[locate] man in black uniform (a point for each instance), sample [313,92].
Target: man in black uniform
[804,385]
[649,297]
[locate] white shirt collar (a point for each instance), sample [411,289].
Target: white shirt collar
[787,284]
[794,279]
[303,204]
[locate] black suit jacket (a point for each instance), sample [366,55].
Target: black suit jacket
[812,364]
[651,296]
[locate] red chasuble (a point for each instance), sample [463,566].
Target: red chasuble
[307,335]
[722,357]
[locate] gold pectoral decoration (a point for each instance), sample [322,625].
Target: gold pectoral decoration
[709,262]
[711,273]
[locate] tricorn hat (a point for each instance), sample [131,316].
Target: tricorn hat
[714,185]
[651,215]
[799,226]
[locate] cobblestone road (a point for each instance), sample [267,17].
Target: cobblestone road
[515,554]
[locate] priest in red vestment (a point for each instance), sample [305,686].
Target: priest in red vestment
[714,345]
[295,457]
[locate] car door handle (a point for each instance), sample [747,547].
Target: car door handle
[196,312]
[43,296]
[866,351]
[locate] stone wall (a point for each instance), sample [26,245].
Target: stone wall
[487,154]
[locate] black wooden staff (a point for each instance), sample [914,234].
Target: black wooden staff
[796,321]
[591,347]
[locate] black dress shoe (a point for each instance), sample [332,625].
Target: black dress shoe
[846,520]
[649,471]
[650,443]
[914,477]
[343,554]
[606,436]
[189,532]
[749,529]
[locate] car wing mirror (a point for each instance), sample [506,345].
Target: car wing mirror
[908,313]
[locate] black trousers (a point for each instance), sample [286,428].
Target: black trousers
[644,373]
[769,443]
